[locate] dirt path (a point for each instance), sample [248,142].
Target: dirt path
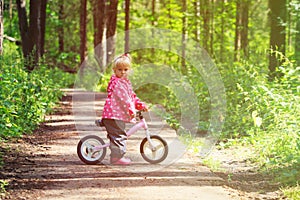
[46,165]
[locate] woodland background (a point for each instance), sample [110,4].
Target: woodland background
[254,44]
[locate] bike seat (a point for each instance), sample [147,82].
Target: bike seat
[99,122]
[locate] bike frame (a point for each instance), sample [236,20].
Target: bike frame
[141,124]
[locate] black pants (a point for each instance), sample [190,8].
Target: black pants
[117,136]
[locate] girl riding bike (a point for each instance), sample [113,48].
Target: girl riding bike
[120,108]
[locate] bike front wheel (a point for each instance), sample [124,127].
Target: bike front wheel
[89,149]
[155,152]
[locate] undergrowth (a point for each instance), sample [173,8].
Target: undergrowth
[27,97]
[260,113]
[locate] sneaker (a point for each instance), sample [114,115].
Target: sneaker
[120,161]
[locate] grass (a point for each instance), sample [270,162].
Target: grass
[213,164]
[3,184]
[286,175]
[292,193]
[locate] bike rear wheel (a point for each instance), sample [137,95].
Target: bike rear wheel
[156,154]
[86,149]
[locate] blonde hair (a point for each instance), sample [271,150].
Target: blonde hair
[122,60]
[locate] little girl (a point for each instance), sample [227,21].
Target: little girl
[119,108]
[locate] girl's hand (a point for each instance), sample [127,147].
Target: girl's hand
[132,116]
[145,109]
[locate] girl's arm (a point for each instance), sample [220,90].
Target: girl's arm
[139,105]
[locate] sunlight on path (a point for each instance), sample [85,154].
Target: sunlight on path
[180,177]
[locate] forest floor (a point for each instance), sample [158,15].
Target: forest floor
[45,165]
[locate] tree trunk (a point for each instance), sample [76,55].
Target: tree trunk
[153,23]
[222,31]
[170,15]
[43,26]
[32,33]
[111,29]
[170,23]
[61,17]
[212,27]
[197,20]
[83,14]
[127,20]
[24,27]
[99,12]
[10,14]
[35,28]
[184,36]
[297,40]
[1,27]
[241,30]
[204,10]
[245,22]
[277,35]
[153,12]
[237,39]
[27,42]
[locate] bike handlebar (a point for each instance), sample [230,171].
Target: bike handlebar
[139,114]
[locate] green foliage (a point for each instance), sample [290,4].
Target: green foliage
[266,115]
[67,55]
[26,97]
[213,164]
[292,192]
[3,184]
[261,113]
[239,80]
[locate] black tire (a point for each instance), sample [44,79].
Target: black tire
[85,153]
[162,150]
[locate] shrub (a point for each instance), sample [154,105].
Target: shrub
[27,97]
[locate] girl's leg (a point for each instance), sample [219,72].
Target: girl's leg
[117,136]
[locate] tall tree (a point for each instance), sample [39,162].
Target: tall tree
[204,10]
[297,43]
[241,29]
[61,16]
[297,39]
[127,20]
[153,12]
[43,25]
[212,26]
[222,32]
[83,21]
[153,21]
[10,14]
[27,45]
[1,27]
[99,12]
[38,23]
[111,26]
[277,34]
[184,36]
[32,33]
[35,28]
[196,4]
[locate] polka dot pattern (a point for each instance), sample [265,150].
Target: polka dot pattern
[121,102]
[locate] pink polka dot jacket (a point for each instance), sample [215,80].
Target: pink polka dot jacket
[121,102]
